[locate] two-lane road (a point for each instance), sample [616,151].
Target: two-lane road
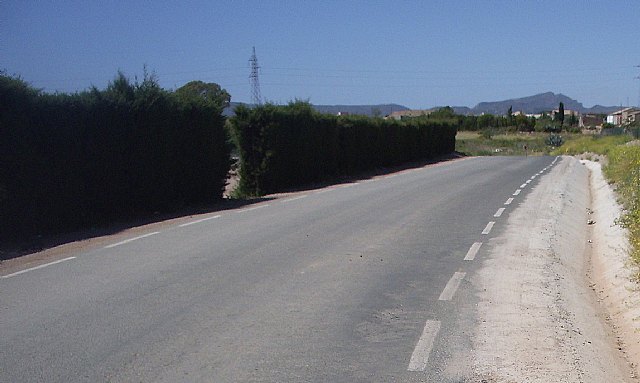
[357,282]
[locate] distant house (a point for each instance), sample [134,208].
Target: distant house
[399,115]
[567,112]
[343,114]
[624,116]
[590,121]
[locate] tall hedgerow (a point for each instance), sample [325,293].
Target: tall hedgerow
[287,146]
[75,160]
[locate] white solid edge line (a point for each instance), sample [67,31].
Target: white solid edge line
[131,239]
[452,286]
[517,191]
[199,221]
[508,201]
[488,228]
[37,267]
[253,208]
[421,352]
[473,250]
[294,198]
[499,212]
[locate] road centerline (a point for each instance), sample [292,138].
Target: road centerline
[499,212]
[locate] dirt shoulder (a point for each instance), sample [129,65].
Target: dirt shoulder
[539,320]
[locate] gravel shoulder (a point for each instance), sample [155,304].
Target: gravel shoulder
[539,318]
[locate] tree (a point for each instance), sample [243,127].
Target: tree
[561,114]
[510,115]
[208,92]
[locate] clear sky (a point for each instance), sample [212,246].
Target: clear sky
[415,53]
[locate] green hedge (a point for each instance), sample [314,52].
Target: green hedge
[76,160]
[287,146]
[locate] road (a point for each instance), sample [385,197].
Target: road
[360,282]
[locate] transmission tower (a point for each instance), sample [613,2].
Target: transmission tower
[256,97]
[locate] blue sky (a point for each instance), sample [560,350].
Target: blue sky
[416,53]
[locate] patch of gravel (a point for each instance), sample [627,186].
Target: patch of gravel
[538,319]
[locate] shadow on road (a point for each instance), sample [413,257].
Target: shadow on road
[43,242]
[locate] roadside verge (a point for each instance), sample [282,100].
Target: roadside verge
[612,270]
[538,320]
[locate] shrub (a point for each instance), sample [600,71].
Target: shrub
[555,140]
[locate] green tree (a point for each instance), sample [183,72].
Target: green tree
[510,115]
[208,92]
[561,114]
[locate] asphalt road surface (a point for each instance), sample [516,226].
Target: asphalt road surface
[359,282]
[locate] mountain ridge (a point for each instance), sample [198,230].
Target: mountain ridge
[538,103]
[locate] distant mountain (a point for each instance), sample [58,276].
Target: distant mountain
[538,103]
[543,102]
[366,110]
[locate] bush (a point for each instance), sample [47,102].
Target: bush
[624,170]
[78,160]
[555,140]
[287,146]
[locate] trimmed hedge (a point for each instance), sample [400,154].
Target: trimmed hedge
[72,161]
[287,146]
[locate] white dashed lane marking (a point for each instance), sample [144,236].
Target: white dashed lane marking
[37,267]
[488,228]
[420,355]
[499,212]
[131,239]
[294,198]
[473,250]
[199,221]
[253,208]
[508,201]
[452,286]
[517,191]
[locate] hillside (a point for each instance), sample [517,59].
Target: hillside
[538,103]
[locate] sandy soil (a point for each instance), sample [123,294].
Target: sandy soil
[539,319]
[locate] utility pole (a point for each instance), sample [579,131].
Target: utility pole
[256,97]
[638,78]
